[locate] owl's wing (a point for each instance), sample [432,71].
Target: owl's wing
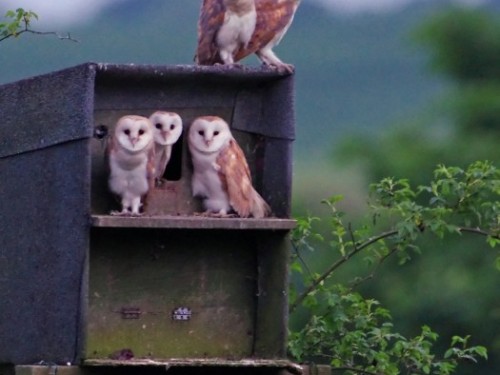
[151,168]
[273,17]
[211,19]
[235,175]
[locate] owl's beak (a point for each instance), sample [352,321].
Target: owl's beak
[165,135]
[208,142]
[134,141]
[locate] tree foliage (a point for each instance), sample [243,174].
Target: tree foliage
[356,334]
[465,46]
[461,126]
[457,129]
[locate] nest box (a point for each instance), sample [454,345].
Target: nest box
[78,285]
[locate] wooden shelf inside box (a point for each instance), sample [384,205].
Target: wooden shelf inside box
[191,222]
[195,362]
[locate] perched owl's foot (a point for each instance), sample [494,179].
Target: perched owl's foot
[125,212]
[223,215]
[281,67]
[220,215]
[236,65]
[230,65]
[120,213]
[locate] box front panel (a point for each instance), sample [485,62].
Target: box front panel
[165,294]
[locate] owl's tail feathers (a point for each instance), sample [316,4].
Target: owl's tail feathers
[260,208]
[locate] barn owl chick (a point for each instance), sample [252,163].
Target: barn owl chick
[131,155]
[221,176]
[224,28]
[274,17]
[167,128]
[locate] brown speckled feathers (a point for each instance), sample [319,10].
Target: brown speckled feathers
[235,175]
[209,23]
[273,19]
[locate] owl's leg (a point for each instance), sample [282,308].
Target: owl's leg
[269,58]
[220,214]
[127,207]
[226,56]
[123,212]
[135,204]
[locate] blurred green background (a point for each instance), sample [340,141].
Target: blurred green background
[377,94]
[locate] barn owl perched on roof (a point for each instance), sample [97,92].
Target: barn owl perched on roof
[131,154]
[224,25]
[221,176]
[167,128]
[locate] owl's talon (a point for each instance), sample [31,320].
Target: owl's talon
[219,215]
[281,68]
[236,65]
[228,216]
[119,213]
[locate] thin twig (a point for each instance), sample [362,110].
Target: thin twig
[304,263]
[337,264]
[353,237]
[375,269]
[28,30]
[359,248]
[478,231]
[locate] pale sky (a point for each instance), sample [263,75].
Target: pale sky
[64,12]
[354,6]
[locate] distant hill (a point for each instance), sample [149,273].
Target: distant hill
[355,73]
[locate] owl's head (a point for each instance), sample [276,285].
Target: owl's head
[134,133]
[209,134]
[167,127]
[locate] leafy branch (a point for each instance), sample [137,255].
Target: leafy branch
[19,22]
[355,334]
[460,201]
[320,279]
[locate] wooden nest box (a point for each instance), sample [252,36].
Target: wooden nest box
[81,286]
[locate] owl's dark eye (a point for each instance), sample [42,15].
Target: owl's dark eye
[216,132]
[127,131]
[172,127]
[158,126]
[141,131]
[201,132]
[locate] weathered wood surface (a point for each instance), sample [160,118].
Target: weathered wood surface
[191,222]
[200,362]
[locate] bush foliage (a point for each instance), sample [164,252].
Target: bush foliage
[355,334]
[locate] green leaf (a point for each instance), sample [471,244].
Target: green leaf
[481,351]
[493,241]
